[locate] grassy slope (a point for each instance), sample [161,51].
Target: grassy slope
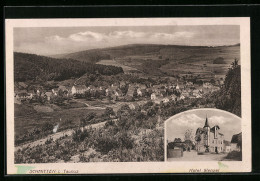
[26,118]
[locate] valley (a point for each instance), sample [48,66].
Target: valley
[140,86]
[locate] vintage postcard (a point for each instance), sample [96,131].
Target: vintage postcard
[128,95]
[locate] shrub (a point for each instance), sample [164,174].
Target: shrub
[79,135]
[219,60]
[48,141]
[47,127]
[109,123]
[125,141]
[106,143]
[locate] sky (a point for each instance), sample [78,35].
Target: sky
[176,126]
[59,40]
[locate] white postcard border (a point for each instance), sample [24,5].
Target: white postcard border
[134,167]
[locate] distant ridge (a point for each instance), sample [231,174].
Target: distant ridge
[95,55]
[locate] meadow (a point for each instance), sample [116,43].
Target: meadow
[115,63]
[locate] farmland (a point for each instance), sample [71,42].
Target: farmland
[182,61]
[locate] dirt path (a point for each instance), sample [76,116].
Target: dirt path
[57,135]
[88,106]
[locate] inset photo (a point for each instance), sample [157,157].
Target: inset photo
[203,135]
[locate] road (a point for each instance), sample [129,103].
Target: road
[88,106]
[69,132]
[115,106]
[193,156]
[57,135]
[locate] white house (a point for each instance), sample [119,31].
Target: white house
[227,147]
[173,97]
[182,97]
[165,100]
[55,91]
[78,89]
[48,95]
[24,96]
[207,85]
[38,92]
[177,87]
[198,96]
[139,92]
[189,83]
[153,96]
[116,93]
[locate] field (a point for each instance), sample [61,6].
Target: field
[115,63]
[169,60]
[181,61]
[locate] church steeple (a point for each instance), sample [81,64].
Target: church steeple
[206,122]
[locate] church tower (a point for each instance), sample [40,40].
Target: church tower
[207,130]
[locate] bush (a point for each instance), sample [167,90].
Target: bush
[106,143]
[125,141]
[79,135]
[219,60]
[48,141]
[109,123]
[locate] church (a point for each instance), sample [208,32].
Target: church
[209,139]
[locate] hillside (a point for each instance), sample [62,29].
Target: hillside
[95,55]
[150,51]
[35,67]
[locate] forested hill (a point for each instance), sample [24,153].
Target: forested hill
[31,67]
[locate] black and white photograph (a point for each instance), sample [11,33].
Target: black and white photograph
[204,134]
[102,93]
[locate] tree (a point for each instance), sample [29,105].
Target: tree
[124,89]
[97,94]
[82,122]
[229,96]
[125,117]
[188,135]
[219,60]
[212,81]
[135,93]
[87,95]
[235,63]
[177,140]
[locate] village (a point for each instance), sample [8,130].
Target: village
[117,92]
